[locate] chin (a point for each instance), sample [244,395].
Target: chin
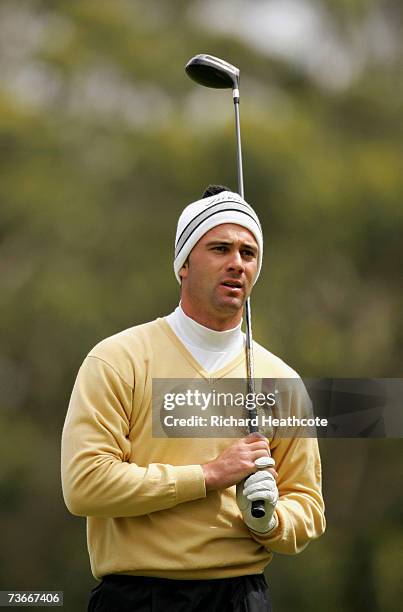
[231,305]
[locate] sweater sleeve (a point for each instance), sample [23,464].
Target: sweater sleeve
[98,478]
[300,508]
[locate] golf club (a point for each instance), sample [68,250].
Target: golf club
[214,72]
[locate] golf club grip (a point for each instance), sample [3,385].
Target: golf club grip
[258,510]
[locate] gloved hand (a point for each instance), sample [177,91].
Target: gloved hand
[260,485]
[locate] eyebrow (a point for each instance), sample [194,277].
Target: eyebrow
[247,245]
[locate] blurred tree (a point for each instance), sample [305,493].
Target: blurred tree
[103,140]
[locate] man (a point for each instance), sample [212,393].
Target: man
[167,529]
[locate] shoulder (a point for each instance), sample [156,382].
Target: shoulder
[125,340]
[126,350]
[265,361]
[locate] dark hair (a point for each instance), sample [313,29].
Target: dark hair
[214,189]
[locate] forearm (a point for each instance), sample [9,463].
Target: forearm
[110,488]
[296,526]
[300,509]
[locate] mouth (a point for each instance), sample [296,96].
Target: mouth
[232,284]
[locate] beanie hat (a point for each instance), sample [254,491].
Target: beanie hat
[201,216]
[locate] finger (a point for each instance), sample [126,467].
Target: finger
[264,485]
[253,437]
[256,445]
[259,476]
[255,454]
[259,492]
[268,496]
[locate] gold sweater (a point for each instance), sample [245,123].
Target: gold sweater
[145,498]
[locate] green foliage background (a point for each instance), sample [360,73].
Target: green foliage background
[103,141]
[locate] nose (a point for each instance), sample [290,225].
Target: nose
[236,262]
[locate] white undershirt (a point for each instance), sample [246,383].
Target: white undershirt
[212,349]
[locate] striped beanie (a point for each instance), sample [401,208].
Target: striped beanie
[201,216]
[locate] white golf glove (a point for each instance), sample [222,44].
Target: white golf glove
[260,485]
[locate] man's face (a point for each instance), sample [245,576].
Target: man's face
[219,273]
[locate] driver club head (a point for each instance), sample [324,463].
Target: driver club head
[212,71]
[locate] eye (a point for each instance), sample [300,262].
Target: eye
[220,247]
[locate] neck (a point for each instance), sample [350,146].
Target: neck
[211,321]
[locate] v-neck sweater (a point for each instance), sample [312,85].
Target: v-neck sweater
[145,499]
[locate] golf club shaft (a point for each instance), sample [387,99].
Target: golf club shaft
[248,315]
[238,142]
[258,509]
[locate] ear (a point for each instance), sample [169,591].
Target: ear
[183,272]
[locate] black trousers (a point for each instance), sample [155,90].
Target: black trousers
[119,593]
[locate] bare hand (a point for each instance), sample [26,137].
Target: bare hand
[236,462]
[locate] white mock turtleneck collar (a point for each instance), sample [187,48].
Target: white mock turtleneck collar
[212,349]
